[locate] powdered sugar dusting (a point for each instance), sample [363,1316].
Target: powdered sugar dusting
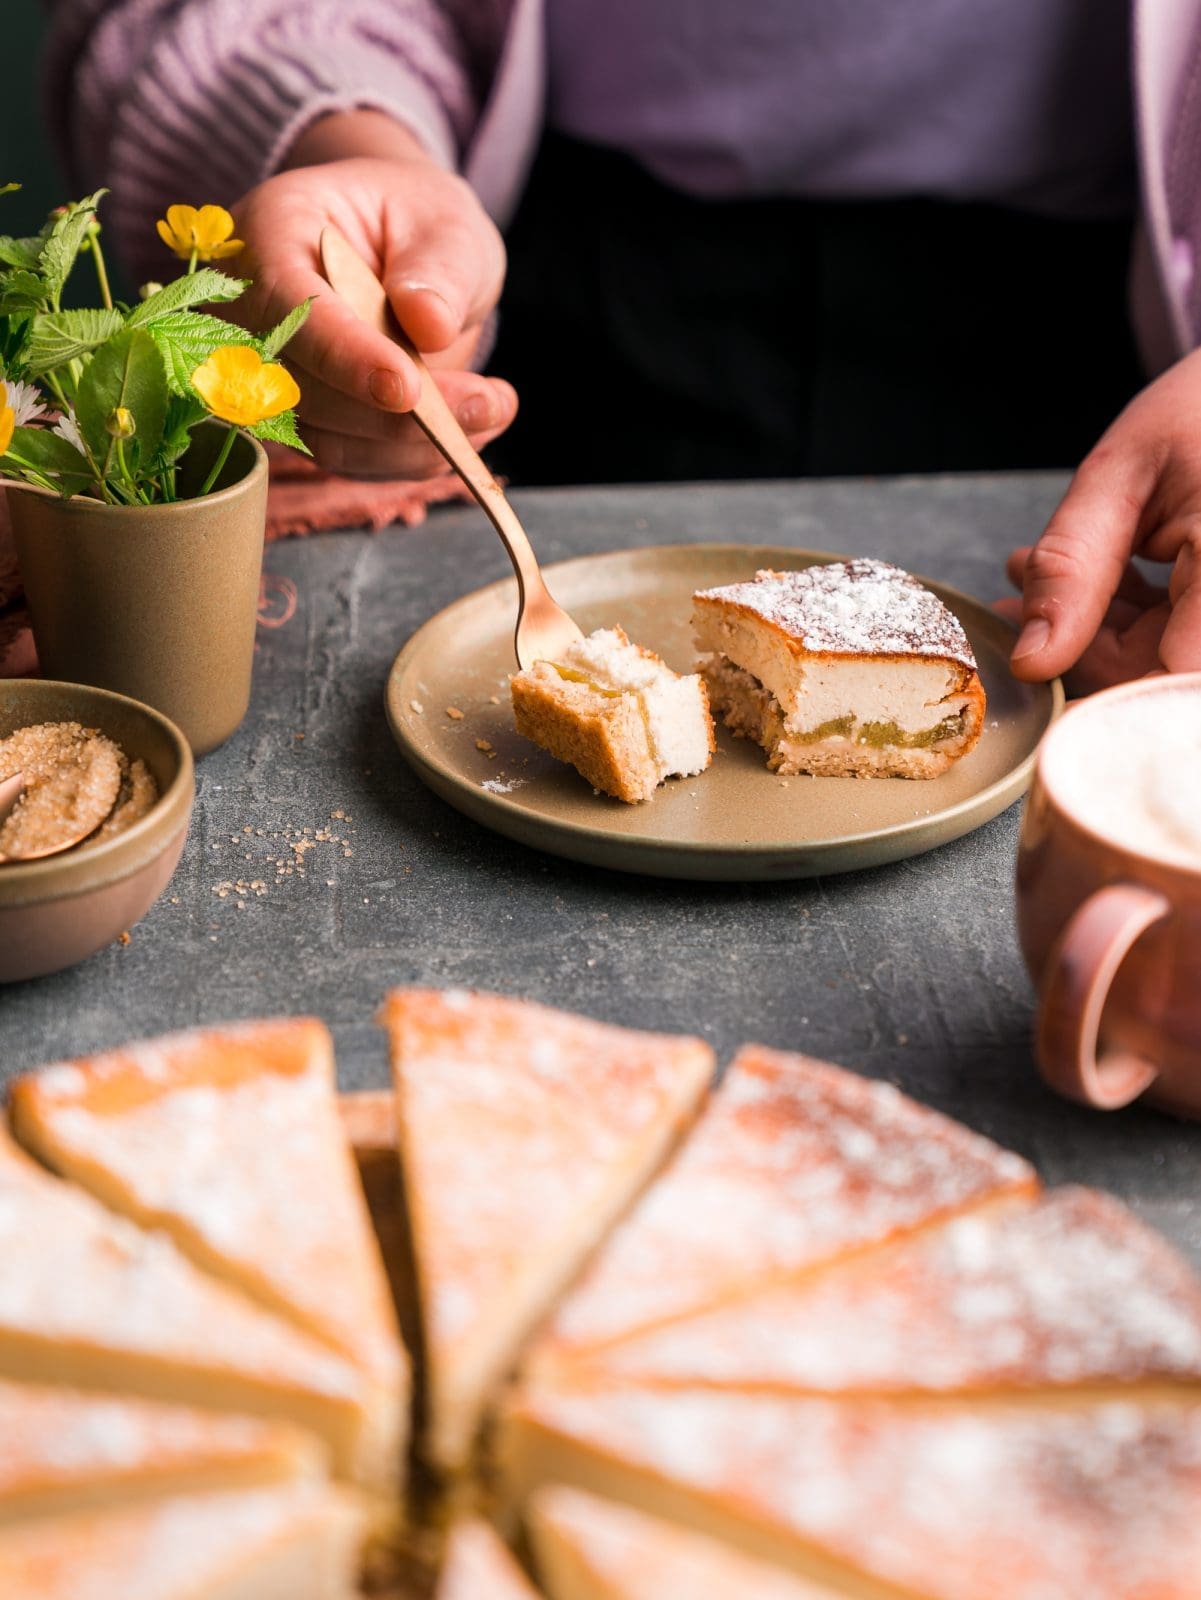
[1027,1503]
[858,607]
[794,1163]
[1071,1290]
[60,1436]
[641,1558]
[516,1119]
[77,1277]
[479,1567]
[231,1138]
[143,1552]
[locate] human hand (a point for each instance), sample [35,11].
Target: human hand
[436,252]
[1084,606]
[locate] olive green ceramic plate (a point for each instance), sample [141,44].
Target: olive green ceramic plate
[736,821]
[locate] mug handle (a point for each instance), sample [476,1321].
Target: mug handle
[1083,964]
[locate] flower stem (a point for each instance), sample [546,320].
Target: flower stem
[106,294]
[192,263]
[126,475]
[230,435]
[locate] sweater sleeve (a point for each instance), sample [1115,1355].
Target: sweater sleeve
[164,101]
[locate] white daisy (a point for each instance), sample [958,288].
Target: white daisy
[66,429]
[27,400]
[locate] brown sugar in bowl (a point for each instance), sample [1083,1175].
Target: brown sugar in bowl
[63,909]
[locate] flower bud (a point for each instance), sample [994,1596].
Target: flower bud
[148,289]
[120,423]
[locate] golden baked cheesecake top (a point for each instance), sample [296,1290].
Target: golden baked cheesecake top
[230,1140]
[794,1162]
[596,1549]
[949,1502]
[1069,1291]
[88,1297]
[64,1448]
[294,1542]
[852,608]
[523,1133]
[479,1566]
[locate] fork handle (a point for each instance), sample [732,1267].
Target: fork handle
[357,283]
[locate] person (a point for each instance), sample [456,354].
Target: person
[775,237]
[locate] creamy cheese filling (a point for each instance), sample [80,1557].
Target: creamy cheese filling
[915,696]
[922,729]
[672,709]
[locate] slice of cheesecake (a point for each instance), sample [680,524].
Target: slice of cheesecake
[849,668]
[63,1451]
[1071,1293]
[369,1117]
[524,1133]
[617,713]
[298,1542]
[882,1499]
[479,1566]
[593,1549]
[89,1299]
[795,1164]
[230,1140]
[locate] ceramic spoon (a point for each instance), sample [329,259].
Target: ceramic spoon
[544,629]
[11,790]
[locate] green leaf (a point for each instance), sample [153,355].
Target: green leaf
[60,336]
[20,252]
[127,371]
[206,287]
[67,233]
[52,456]
[280,430]
[272,343]
[13,333]
[21,291]
[9,188]
[186,339]
[183,413]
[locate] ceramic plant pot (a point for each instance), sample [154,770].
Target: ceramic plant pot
[156,602]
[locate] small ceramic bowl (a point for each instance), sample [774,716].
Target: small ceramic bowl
[56,912]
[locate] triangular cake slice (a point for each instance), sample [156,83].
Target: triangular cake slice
[592,1549]
[842,668]
[230,1139]
[882,1499]
[87,1298]
[369,1117]
[794,1165]
[63,1451]
[524,1134]
[299,1542]
[479,1566]
[1072,1292]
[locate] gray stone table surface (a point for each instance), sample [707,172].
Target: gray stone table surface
[910,972]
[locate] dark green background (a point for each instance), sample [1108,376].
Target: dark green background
[27,153]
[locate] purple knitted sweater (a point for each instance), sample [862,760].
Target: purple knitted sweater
[166,100]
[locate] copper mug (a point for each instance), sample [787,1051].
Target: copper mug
[1110,920]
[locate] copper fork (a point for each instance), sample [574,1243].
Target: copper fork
[544,630]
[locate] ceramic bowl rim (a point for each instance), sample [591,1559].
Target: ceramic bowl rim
[32,883]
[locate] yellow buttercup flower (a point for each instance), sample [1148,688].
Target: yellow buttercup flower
[238,386]
[8,421]
[206,234]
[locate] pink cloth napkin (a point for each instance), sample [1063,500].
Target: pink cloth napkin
[302,499]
